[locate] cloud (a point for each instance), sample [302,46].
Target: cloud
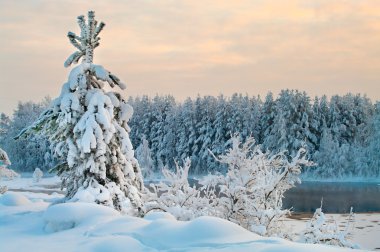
[189,47]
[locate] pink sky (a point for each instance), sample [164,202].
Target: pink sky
[188,47]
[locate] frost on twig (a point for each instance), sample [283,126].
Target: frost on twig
[37,175]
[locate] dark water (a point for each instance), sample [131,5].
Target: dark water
[338,197]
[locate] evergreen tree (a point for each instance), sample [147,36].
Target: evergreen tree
[144,156]
[267,118]
[89,130]
[184,130]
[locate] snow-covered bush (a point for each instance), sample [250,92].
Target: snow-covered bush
[37,175]
[3,189]
[176,196]
[4,171]
[251,192]
[321,230]
[8,173]
[4,159]
[89,131]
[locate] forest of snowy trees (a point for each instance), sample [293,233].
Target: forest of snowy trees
[26,154]
[341,134]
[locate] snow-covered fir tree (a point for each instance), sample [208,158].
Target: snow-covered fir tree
[185,130]
[89,130]
[144,156]
[267,118]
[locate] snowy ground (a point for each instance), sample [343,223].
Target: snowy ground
[27,223]
[46,185]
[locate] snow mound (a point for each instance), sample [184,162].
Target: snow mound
[14,199]
[69,215]
[91,227]
[170,233]
[159,215]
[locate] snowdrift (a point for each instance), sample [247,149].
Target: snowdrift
[35,225]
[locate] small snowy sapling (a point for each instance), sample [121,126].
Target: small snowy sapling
[321,230]
[37,175]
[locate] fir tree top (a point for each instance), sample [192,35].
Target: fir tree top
[87,41]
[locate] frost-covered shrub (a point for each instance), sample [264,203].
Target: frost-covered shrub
[89,131]
[3,189]
[4,171]
[4,159]
[251,192]
[37,175]
[320,230]
[8,173]
[176,196]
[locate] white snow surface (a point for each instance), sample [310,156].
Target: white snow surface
[33,223]
[27,183]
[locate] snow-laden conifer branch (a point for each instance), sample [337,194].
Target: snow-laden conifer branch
[45,117]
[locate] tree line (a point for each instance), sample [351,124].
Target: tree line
[341,134]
